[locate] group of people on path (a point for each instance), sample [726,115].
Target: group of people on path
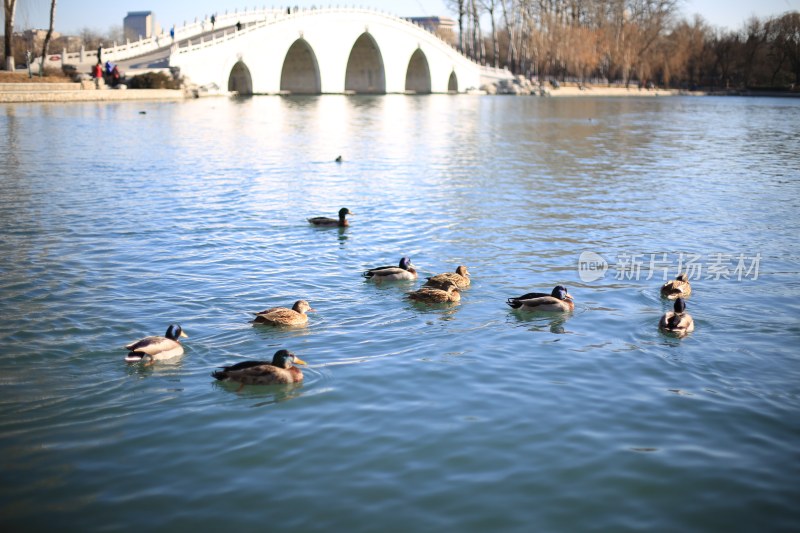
[108,73]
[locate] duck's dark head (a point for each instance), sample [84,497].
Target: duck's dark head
[462,271]
[343,212]
[680,306]
[285,359]
[682,277]
[405,263]
[174,332]
[561,293]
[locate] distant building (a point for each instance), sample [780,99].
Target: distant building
[38,35]
[34,39]
[138,23]
[446,28]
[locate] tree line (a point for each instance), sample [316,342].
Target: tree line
[628,41]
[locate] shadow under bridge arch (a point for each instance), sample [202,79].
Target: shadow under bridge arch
[452,83]
[239,80]
[418,74]
[300,72]
[365,74]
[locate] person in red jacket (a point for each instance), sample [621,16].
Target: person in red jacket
[97,74]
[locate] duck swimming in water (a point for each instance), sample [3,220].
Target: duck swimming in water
[326,221]
[279,371]
[436,295]
[404,271]
[282,316]
[677,288]
[460,278]
[156,348]
[558,300]
[677,321]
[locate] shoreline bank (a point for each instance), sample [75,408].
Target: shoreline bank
[19,95]
[89,95]
[63,93]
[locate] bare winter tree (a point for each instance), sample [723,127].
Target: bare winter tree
[48,36]
[511,59]
[477,35]
[461,8]
[9,7]
[489,7]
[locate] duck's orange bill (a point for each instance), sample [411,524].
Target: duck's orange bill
[299,361]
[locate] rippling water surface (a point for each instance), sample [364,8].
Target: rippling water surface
[461,418]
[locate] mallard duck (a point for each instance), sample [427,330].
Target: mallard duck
[157,348]
[677,321]
[278,372]
[678,287]
[339,159]
[435,295]
[405,271]
[326,221]
[558,300]
[460,278]
[282,316]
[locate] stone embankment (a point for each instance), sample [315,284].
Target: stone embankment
[522,86]
[84,91]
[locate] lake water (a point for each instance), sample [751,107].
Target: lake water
[411,418]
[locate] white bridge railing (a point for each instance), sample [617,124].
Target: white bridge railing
[86,58]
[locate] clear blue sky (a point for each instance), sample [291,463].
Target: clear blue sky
[100,15]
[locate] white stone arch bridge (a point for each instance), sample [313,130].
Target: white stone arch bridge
[330,51]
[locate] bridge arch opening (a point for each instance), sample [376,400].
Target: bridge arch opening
[418,74]
[239,80]
[452,83]
[365,74]
[300,72]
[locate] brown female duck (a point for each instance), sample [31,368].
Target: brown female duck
[460,278]
[281,316]
[678,287]
[435,295]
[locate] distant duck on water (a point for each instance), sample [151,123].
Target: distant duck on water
[434,295]
[677,288]
[156,348]
[282,316]
[279,371]
[327,221]
[404,271]
[677,321]
[460,278]
[558,300]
